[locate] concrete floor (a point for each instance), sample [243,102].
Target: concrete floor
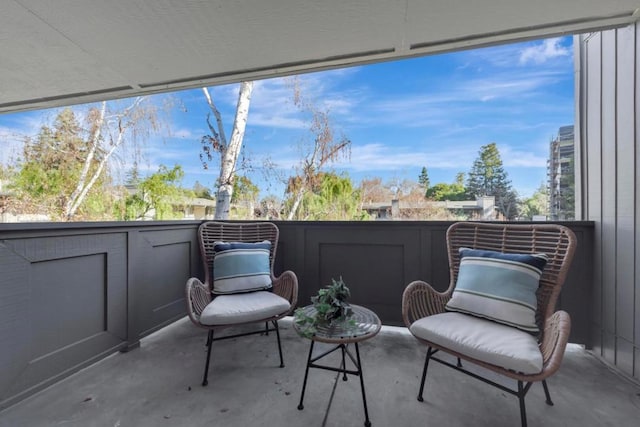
[158,384]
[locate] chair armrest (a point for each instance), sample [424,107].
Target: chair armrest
[554,341]
[420,300]
[286,286]
[198,296]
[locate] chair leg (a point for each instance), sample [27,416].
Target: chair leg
[205,380]
[523,412]
[424,374]
[266,328]
[546,393]
[459,364]
[275,324]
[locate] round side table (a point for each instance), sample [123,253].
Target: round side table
[362,325]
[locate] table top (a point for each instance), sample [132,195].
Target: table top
[363,324]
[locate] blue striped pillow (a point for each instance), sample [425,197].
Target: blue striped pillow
[241,267]
[499,286]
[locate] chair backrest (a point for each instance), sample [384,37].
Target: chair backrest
[557,242]
[213,231]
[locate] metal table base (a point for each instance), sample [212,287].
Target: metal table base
[311,363]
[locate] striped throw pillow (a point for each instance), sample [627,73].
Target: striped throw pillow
[241,267]
[499,286]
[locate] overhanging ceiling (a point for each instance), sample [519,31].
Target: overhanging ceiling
[62,52]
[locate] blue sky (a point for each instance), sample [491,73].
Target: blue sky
[435,111]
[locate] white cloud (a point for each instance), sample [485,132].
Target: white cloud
[385,157]
[272,100]
[8,134]
[462,101]
[514,158]
[272,93]
[339,106]
[422,101]
[507,86]
[272,119]
[541,53]
[504,56]
[518,54]
[10,145]
[15,127]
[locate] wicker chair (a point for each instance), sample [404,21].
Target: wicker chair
[241,308]
[420,300]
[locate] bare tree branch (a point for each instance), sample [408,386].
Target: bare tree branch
[323,150]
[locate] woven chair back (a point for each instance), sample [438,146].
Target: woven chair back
[213,231]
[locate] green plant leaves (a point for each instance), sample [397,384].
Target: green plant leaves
[330,304]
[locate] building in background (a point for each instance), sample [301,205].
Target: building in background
[481,209]
[561,175]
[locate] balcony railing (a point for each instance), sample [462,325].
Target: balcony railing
[73,293]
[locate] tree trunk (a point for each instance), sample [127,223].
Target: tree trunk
[223,201]
[231,152]
[80,198]
[86,182]
[296,204]
[81,189]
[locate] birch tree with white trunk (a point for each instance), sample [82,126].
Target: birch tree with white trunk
[108,130]
[229,150]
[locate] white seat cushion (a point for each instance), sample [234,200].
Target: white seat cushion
[242,308]
[482,339]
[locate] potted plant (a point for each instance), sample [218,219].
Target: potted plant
[331,306]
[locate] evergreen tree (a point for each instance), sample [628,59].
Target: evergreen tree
[488,178]
[423,179]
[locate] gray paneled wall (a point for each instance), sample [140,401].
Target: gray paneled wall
[608,91]
[71,294]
